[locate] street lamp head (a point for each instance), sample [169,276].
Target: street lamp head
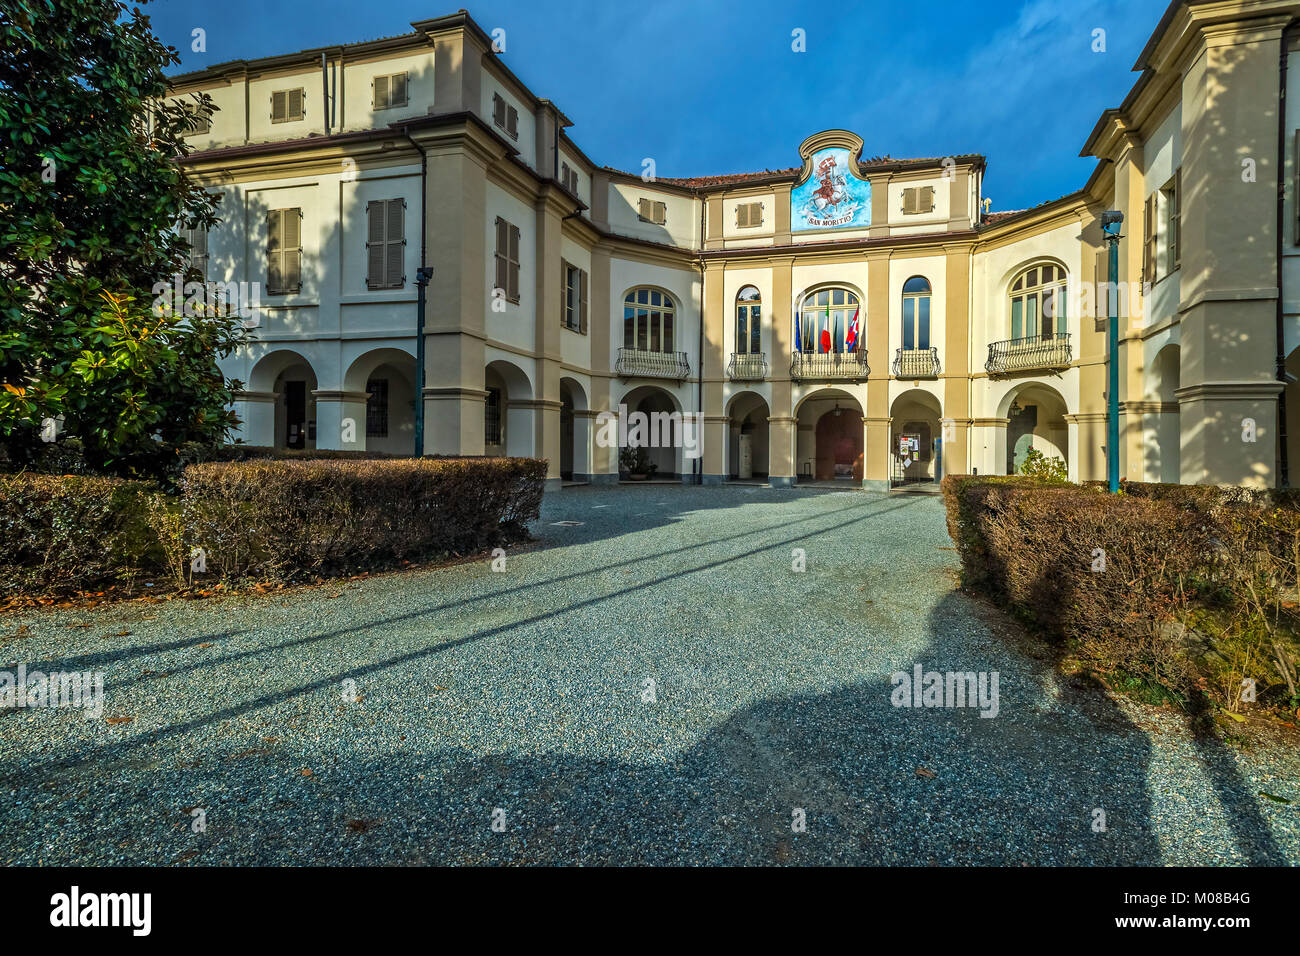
[1111,220]
[423,275]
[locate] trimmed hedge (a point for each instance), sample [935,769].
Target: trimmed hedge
[289,520]
[262,519]
[1188,587]
[73,531]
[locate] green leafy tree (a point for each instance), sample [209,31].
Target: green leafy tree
[91,195]
[1038,465]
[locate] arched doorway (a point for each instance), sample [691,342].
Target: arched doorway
[1035,415]
[575,426]
[508,413]
[839,446]
[662,429]
[290,377]
[387,378]
[915,442]
[1163,436]
[747,437]
[829,440]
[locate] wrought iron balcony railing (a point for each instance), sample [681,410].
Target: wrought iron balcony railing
[1029,354]
[747,366]
[829,366]
[638,363]
[916,363]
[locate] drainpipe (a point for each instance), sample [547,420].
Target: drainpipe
[1284,476]
[325,91]
[697,467]
[422,277]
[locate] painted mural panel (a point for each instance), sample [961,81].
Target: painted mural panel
[832,198]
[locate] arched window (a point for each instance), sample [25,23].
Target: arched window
[916,313]
[1038,299]
[648,320]
[829,322]
[749,314]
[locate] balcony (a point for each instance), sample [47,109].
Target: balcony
[1036,353]
[916,363]
[747,366]
[638,363]
[829,366]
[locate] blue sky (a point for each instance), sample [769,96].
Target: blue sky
[713,86]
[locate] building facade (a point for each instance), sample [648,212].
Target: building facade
[847,318]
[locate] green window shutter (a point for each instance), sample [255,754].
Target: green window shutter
[291,231]
[512,291]
[397,89]
[582,302]
[274,259]
[564,294]
[395,245]
[1177,237]
[498,110]
[374,244]
[382,100]
[502,242]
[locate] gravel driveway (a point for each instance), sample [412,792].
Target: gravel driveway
[653,684]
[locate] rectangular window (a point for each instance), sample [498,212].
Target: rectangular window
[386,244]
[923,322]
[492,417]
[1017,318]
[507,260]
[569,178]
[505,116]
[288,106]
[390,91]
[917,200]
[749,215]
[648,210]
[283,251]
[909,324]
[574,306]
[197,124]
[377,408]
[197,239]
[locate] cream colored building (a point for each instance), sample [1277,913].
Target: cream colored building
[562,289]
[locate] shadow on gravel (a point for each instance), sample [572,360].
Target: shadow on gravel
[879,784]
[1020,788]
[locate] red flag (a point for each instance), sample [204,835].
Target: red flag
[851,338]
[826,340]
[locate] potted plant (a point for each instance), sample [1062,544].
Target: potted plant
[637,464]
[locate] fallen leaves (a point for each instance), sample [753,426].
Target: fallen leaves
[362,826]
[926,772]
[113,721]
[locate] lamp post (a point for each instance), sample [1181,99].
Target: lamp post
[1111,220]
[422,277]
